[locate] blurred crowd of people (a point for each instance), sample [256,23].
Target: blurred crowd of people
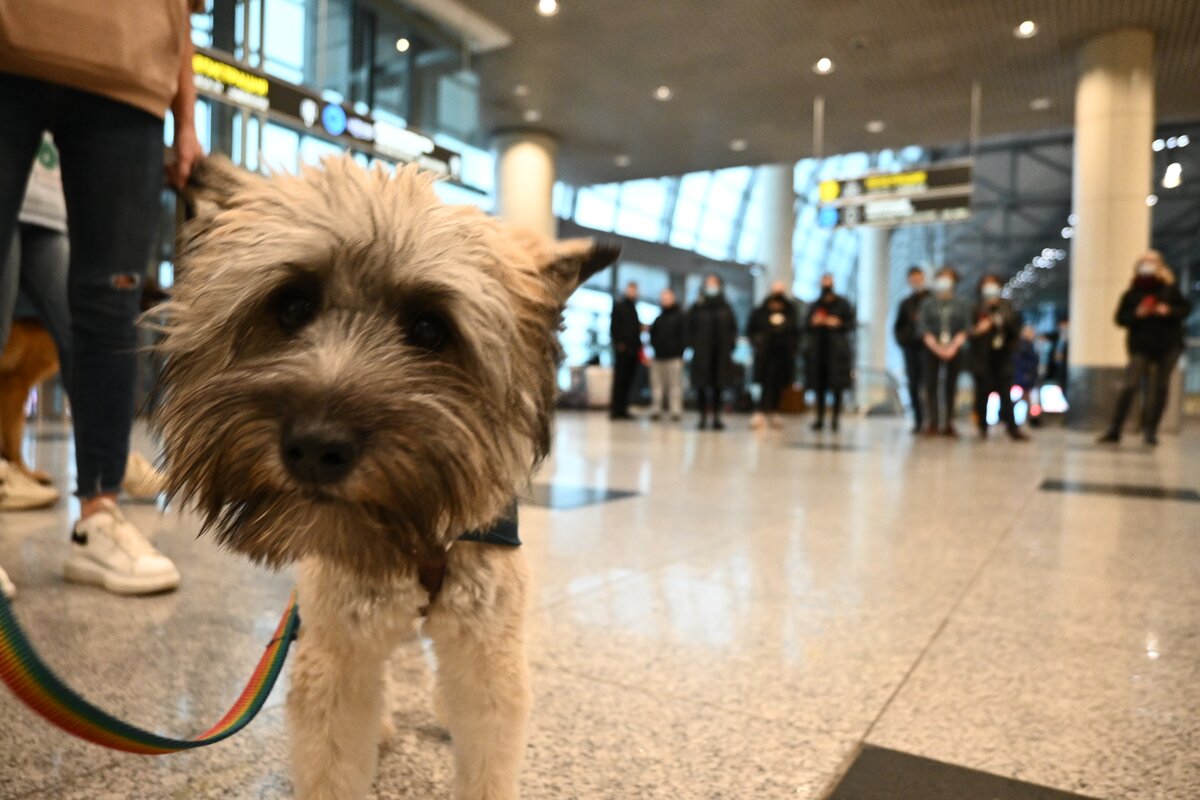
[940,331]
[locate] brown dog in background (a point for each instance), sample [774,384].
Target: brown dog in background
[29,358]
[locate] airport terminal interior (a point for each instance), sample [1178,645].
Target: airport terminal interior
[874,463]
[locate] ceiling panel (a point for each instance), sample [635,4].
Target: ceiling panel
[741,69]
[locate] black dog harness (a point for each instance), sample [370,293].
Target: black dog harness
[431,572]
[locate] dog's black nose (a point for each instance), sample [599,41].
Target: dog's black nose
[319,451]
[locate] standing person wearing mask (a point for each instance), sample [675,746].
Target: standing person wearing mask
[830,363]
[668,338]
[1153,310]
[1026,363]
[994,339]
[626,334]
[102,91]
[712,335]
[774,334]
[945,321]
[907,331]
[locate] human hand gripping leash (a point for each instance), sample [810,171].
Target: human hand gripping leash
[39,688]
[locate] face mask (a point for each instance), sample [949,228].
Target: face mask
[991,291]
[944,285]
[1147,269]
[826,290]
[712,291]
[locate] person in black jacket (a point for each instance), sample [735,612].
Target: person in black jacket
[668,337]
[712,335]
[774,335]
[626,332]
[1153,310]
[907,331]
[994,338]
[945,323]
[830,363]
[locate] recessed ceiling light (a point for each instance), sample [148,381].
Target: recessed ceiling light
[622,161]
[824,66]
[1151,199]
[403,44]
[547,8]
[738,145]
[663,93]
[875,126]
[1173,176]
[532,115]
[520,90]
[1026,30]
[1040,103]
[1184,140]
[1157,145]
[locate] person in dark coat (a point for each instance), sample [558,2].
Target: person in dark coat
[774,334]
[994,337]
[945,323]
[668,337]
[626,332]
[1153,310]
[712,335]
[908,336]
[830,363]
[1027,362]
[1059,369]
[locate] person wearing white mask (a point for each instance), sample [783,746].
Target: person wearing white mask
[994,339]
[944,323]
[1153,310]
[712,335]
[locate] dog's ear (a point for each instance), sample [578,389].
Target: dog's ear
[576,260]
[214,181]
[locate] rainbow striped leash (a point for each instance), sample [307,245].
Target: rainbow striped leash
[40,689]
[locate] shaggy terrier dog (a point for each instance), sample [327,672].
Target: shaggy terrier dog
[357,376]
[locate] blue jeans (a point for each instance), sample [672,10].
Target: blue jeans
[33,283]
[112,156]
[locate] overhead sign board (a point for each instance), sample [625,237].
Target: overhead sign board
[220,78]
[940,193]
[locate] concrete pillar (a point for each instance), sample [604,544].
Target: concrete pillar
[873,308]
[778,226]
[525,178]
[1114,125]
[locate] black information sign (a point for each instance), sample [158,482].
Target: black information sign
[939,193]
[220,78]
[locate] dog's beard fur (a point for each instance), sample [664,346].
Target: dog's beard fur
[449,437]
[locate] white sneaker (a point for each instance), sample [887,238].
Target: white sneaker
[108,550]
[6,586]
[142,481]
[19,492]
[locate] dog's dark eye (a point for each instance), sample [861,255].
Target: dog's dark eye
[427,332]
[295,306]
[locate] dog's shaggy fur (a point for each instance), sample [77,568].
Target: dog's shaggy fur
[427,330]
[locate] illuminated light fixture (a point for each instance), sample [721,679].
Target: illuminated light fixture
[1040,103]
[1172,142]
[1068,232]
[547,8]
[1151,199]
[1173,176]
[1072,219]
[663,94]
[1060,254]
[875,126]
[1047,253]
[1184,140]
[1026,30]
[824,66]
[521,90]
[738,145]
[532,115]
[1157,145]
[402,45]
[622,161]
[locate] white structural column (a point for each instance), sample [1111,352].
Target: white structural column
[778,225]
[873,308]
[525,179]
[1114,125]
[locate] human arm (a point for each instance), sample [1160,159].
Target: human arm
[183,109]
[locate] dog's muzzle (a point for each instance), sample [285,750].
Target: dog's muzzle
[318,451]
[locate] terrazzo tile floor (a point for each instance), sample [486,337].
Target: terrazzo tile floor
[738,620]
